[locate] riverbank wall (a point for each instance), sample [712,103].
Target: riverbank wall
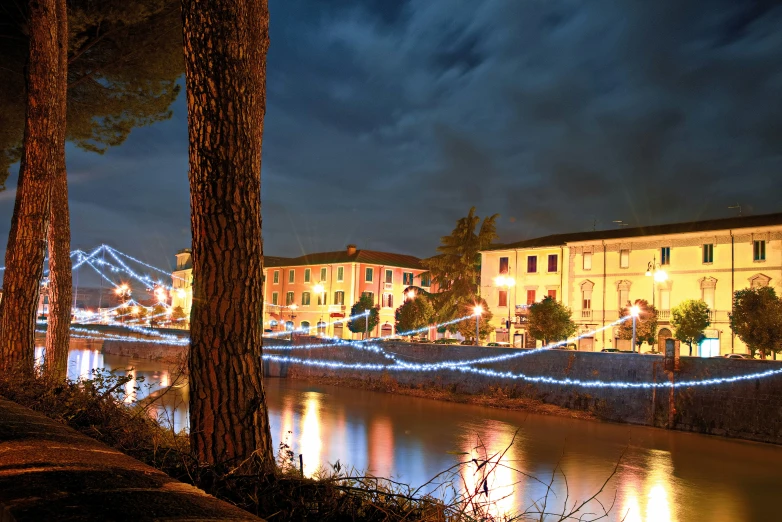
[746,409]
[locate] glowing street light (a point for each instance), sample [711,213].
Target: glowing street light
[658,275]
[410,294]
[478,311]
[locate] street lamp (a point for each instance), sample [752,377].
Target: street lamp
[293,309]
[320,290]
[634,312]
[506,282]
[366,324]
[658,275]
[478,311]
[410,294]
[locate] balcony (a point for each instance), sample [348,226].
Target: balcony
[663,315]
[336,309]
[586,314]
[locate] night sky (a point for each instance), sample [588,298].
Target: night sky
[386,121]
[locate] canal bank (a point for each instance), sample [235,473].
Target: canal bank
[746,409]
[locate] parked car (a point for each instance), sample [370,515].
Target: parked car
[501,344]
[447,341]
[737,356]
[467,343]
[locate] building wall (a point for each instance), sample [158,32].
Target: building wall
[688,277]
[354,283]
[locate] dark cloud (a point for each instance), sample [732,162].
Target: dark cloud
[387,120]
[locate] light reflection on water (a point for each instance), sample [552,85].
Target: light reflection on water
[664,476]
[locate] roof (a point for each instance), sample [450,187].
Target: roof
[369,257]
[762,220]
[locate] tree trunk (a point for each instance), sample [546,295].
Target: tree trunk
[225,45]
[27,240]
[60,273]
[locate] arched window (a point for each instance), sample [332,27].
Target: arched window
[305,326]
[386,330]
[321,328]
[338,330]
[289,326]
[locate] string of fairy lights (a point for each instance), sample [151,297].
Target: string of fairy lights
[118,263]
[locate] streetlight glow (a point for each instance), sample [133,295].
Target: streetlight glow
[318,289]
[410,294]
[660,276]
[635,311]
[478,310]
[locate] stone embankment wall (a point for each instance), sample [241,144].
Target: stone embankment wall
[161,352]
[749,409]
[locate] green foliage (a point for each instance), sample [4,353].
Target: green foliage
[757,319]
[646,324]
[549,321]
[178,314]
[467,328]
[457,268]
[689,320]
[124,62]
[413,314]
[359,324]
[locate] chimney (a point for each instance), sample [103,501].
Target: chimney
[351,250]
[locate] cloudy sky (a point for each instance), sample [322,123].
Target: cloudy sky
[387,120]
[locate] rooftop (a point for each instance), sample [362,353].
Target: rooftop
[370,257]
[762,220]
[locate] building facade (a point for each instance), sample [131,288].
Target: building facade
[315,292]
[597,273]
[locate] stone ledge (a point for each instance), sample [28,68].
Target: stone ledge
[50,472]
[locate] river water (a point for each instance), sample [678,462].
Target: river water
[662,475]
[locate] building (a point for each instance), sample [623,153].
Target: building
[316,291]
[597,273]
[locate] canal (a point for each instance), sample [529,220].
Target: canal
[662,475]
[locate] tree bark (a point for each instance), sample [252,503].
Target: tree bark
[225,44]
[60,272]
[29,223]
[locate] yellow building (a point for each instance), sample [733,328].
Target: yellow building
[182,282]
[597,273]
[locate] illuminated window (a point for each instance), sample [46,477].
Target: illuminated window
[503,265]
[339,297]
[503,298]
[407,278]
[305,298]
[586,299]
[388,300]
[587,260]
[288,298]
[530,297]
[322,299]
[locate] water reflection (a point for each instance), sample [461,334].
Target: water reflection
[663,476]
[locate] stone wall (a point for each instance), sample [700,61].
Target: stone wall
[158,351]
[750,409]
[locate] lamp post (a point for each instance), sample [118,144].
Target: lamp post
[320,290]
[293,307]
[478,311]
[366,324]
[634,311]
[658,275]
[506,282]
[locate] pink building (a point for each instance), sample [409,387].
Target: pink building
[316,291]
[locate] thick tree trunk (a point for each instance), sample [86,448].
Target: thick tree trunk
[225,58]
[29,224]
[60,273]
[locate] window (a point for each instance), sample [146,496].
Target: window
[665,256]
[305,298]
[291,276]
[503,265]
[407,278]
[369,274]
[305,326]
[339,297]
[307,273]
[708,253]
[275,298]
[552,262]
[587,260]
[288,298]
[388,300]
[340,274]
[624,297]
[322,299]
[552,294]
[530,297]
[426,279]
[322,274]
[624,259]
[389,276]
[321,328]
[276,277]
[708,297]
[502,300]
[532,264]
[759,251]
[369,295]
[586,299]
